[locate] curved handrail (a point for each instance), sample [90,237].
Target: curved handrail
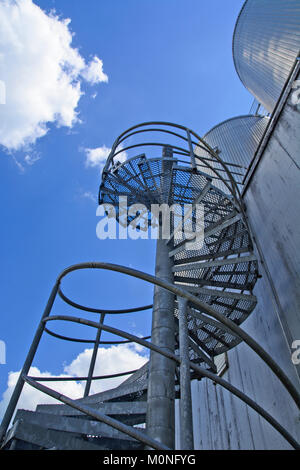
[233,189]
[82,379]
[82,340]
[101,310]
[204,307]
[196,368]
[100,326]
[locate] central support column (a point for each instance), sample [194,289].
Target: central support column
[161,384]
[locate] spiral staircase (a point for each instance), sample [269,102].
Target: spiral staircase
[214,275]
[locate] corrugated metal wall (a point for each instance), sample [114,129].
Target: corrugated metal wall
[266,42]
[221,421]
[237,140]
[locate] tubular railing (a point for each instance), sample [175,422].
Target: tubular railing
[190,141]
[210,159]
[184,298]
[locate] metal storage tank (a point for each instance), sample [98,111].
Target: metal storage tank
[236,141]
[266,43]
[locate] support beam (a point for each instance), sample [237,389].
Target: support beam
[160,422]
[186,413]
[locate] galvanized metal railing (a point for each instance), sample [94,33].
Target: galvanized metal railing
[232,213]
[182,360]
[191,141]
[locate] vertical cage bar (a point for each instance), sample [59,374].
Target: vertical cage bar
[93,359]
[192,156]
[27,364]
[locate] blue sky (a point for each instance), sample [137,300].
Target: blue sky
[167,60]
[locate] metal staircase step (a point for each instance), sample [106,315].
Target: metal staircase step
[126,391]
[215,283]
[188,214]
[109,408]
[149,180]
[212,256]
[221,293]
[211,230]
[128,412]
[140,376]
[47,438]
[209,264]
[87,427]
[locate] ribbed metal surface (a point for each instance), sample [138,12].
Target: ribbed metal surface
[266,42]
[236,140]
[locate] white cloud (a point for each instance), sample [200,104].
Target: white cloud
[89,195]
[2,92]
[31,158]
[31,397]
[18,164]
[41,71]
[93,73]
[111,360]
[96,157]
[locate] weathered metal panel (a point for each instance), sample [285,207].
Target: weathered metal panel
[233,425]
[272,200]
[266,42]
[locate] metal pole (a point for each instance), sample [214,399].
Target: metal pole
[93,359]
[161,386]
[192,156]
[27,364]
[186,413]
